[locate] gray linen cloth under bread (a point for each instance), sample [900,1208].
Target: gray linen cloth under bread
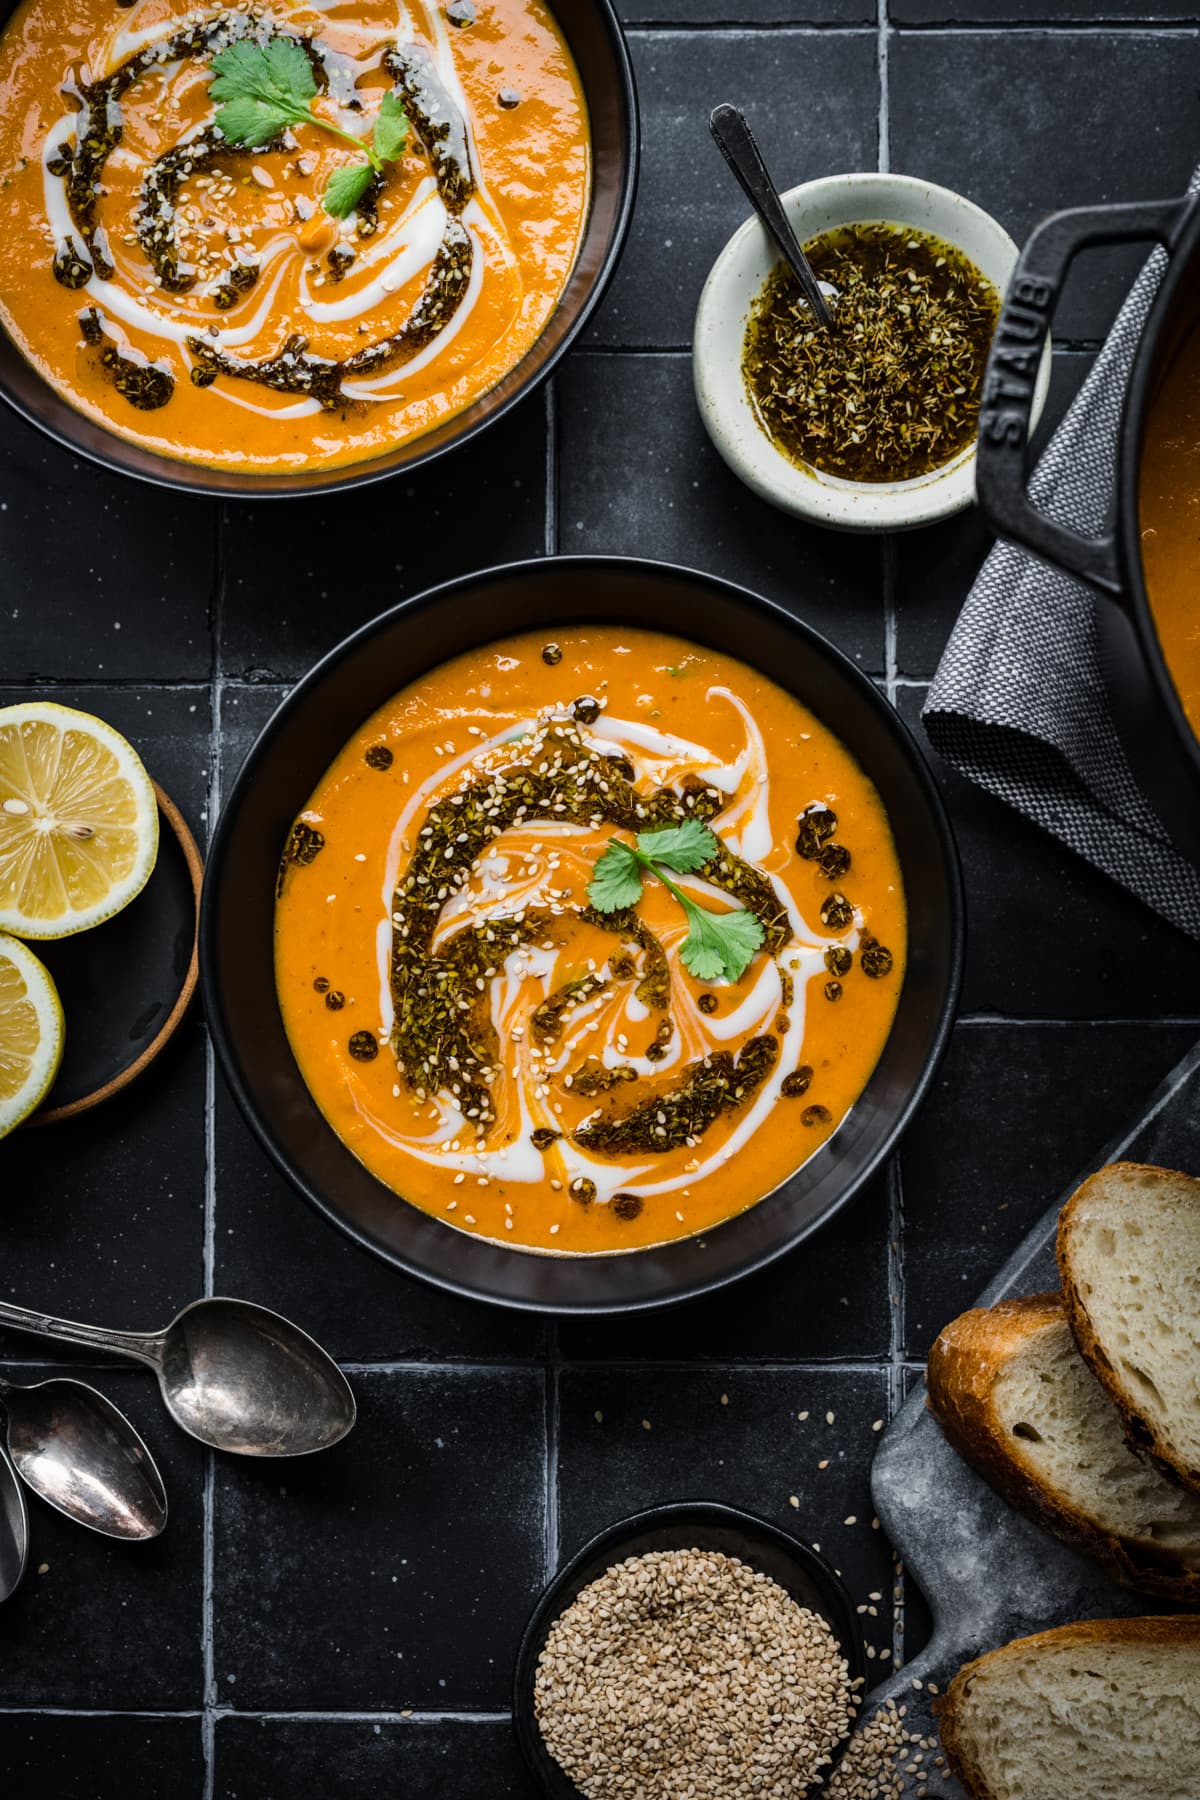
[1018,703]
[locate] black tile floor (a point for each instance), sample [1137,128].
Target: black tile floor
[346,1627]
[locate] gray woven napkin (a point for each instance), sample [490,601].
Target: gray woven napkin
[1018,702]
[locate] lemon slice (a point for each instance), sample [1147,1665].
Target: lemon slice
[78,821]
[31,1033]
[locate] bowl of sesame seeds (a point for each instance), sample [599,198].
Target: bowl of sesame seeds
[693,1649]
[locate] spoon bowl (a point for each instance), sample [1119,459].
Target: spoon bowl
[232,1375]
[245,1380]
[14,1529]
[80,1453]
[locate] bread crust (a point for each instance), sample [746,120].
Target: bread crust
[1140,1433]
[1176,1631]
[963,1365]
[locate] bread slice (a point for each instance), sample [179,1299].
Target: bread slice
[1129,1260]
[1104,1710]
[1018,1402]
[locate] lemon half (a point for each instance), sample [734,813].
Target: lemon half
[31,1033]
[78,821]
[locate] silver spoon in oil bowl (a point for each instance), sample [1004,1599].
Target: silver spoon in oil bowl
[80,1453]
[737,144]
[233,1375]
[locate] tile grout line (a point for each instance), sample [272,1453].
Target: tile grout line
[408,1716]
[1044,28]
[895,1251]
[415,1715]
[678,1365]
[814,1366]
[208,1570]
[745,27]
[896,1368]
[1029,28]
[552,1524]
[885,115]
[657,28]
[891,680]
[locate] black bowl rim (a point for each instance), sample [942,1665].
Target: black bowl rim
[702,1513]
[175,475]
[444,594]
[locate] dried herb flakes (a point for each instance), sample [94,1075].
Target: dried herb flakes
[892,390]
[683,1113]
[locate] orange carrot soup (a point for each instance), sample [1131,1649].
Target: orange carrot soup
[1170,520]
[583,946]
[284,237]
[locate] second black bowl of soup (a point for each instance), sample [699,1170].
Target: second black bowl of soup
[622,945]
[256,253]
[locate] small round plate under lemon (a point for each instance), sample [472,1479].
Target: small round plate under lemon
[78,821]
[126,987]
[31,1033]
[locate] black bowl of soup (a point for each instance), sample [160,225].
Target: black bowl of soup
[582,934]
[249,254]
[1143,563]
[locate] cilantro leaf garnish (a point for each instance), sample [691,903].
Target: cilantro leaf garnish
[617,878]
[685,848]
[251,123]
[345,188]
[718,946]
[264,88]
[391,129]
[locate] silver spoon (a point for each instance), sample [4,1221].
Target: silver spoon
[14,1528]
[232,1375]
[82,1455]
[737,145]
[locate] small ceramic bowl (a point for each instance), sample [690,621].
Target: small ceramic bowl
[681,1525]
[724,312]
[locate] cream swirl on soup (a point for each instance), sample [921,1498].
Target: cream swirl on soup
[511,1050]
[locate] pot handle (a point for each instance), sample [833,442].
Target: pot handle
[1002,456]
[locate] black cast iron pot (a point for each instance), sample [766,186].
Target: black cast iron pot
[1161,747]
[297,746]
[602,60]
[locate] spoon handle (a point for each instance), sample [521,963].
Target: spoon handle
[144,1347]
[736,142]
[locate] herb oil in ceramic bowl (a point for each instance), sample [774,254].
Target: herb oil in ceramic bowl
[892,392]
